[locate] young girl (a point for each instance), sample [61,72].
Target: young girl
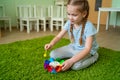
[82,51]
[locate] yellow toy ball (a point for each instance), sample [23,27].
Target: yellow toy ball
[45,53]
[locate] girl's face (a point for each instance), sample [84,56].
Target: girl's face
[74,15]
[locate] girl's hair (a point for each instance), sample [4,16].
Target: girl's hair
[83,6]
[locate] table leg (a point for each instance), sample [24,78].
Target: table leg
[98,23]
[107,22]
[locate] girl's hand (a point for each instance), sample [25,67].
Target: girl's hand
[67,64]
[48,46]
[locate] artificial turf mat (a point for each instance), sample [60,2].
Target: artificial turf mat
[23,60]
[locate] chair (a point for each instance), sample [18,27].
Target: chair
[6,20]
[18,16]
[28,17]
[58,16]
[43,14]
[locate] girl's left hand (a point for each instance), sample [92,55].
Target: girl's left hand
[67,64]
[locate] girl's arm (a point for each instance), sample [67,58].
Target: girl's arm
[68,63]
[84,52]
[55,39]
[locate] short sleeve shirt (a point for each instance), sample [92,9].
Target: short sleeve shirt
[89,30]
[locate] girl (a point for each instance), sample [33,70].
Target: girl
[82,51]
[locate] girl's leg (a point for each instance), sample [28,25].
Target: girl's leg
[62,52]
[87,61]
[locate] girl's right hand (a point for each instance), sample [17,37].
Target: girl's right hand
[48,46]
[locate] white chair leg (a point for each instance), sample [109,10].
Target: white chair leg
[57,25]
[37,25]
[49,24]
[62,24]
[21,27]
[44,22]
[28,27]
[4,24]
[17,25]
[31,26]
[51,27]
[10,28]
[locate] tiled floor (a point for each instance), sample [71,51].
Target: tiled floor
[109,39]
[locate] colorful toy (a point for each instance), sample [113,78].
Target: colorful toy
[53,65]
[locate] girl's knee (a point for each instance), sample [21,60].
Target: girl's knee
[77,66]
[52,54]
[96,55]
[86,63]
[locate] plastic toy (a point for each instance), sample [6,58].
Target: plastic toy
[45,53]
[53,65]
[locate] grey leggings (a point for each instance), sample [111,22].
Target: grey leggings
[68,51]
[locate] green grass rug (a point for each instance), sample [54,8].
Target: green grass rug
[23,60]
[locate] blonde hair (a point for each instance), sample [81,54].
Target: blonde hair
[82,7]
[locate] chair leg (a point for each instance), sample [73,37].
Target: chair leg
[18,23]
[28,27]
[57,25]
[21,27]
[10,28]
[4,24]
[37,25]
[49,24]
[62,24]
[31,26]
[44,25]
[51,27]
